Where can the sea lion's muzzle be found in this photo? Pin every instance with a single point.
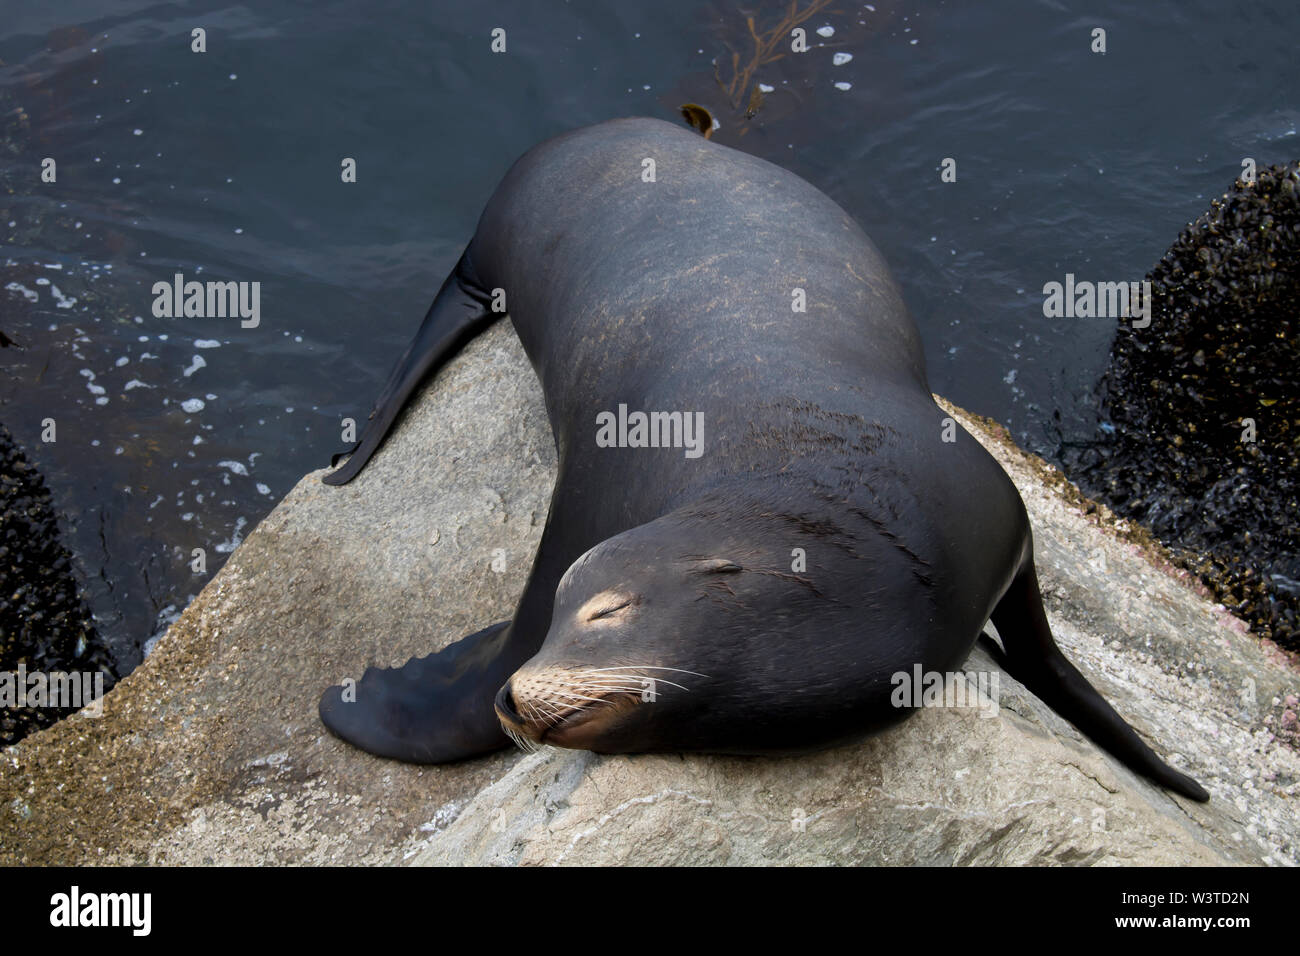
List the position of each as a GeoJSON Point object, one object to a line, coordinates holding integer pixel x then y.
{"type": "Point", "coordinates": [566, 707]}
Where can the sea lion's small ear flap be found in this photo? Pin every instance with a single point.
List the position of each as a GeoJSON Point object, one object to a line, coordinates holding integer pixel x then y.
{"type": "Point", "coordinates": [716, 566]}
{"type": "Point", "coordinates": [699, 118]}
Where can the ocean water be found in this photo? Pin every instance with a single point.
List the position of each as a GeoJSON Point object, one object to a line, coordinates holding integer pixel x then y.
{"type": "Point", "coordinates": [177, 434]}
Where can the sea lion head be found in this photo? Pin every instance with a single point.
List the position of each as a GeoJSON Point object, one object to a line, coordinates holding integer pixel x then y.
{"type": "Point", "coordinates": [725, 627]}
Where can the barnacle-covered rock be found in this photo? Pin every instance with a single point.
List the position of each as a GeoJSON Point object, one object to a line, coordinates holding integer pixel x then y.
{"type": "Point", "coordinates": [1203, 405]}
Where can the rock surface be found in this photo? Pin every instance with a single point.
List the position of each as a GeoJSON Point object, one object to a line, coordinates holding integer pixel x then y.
{"type": "Point", "coordinates": [211, 750]}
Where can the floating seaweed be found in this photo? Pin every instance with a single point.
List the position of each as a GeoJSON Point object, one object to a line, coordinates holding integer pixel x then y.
{"type": "Point", "coordinates": [767, 48]}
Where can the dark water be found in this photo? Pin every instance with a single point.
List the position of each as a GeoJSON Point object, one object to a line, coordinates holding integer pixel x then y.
{"type": "Point", "coordinates": [225, 165]}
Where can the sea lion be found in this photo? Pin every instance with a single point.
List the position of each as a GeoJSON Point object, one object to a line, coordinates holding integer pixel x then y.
{"type": "Point", "coordinates": [780, 526]}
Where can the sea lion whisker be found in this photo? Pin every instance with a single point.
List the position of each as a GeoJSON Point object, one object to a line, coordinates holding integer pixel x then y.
{"type": "Point", "coordinates": [594, 700]}
{"type": "Point", "coordinates": [615, 689]}
{"type": "Point", "coordinates": [639, 688]}
{"type": "Point", "coordinates": [534, 712]}
{"type": "Point", "coordinates": [522, 742]}
{"type": "Point", "coordinates": [613, 683]}
{"type": "Point", "coordinates": [603, 690]}
{"type": "Point", "coordinates": [549, 701]}
{"type": "Point", "coordinates": [643, 667]}
{"type": "Point", "coordinates": [545, 712]}
{"type": "Point", "coordinates": [558, 711]}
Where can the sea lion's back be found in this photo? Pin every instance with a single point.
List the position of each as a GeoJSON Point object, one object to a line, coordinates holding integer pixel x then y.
{"type": "Point", "coordinates": [645, 232]}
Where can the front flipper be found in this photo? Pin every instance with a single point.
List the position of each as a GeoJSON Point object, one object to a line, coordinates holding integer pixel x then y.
{"type": "Point", "coordinates": [432, 709]}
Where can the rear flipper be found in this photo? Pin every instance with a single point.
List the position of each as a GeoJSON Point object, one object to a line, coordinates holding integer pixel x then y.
{"type": "Point", "coordinates": [432, 709]}
{"type": "Point", "coordinates": [1036, 661]}
{"type": "Point", "coordinates": [459, 312]}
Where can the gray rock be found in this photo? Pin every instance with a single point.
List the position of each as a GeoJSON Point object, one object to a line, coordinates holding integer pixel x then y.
{"type": "Point", "coordinates": [211, 751]}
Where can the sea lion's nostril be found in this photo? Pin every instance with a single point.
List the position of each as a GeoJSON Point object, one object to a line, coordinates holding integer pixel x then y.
{"type": "Point", "coordinates": [505, 704]}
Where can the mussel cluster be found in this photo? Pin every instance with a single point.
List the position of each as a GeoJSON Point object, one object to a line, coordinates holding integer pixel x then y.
{"type": "Point", "coordinates": [44, 623]}
{"type": "Point", "coordinates": [1201, 432]}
